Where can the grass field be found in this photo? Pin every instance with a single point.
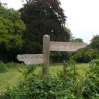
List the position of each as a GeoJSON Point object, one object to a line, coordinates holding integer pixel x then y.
{"type": "Point", "coordinates": [13, 76]}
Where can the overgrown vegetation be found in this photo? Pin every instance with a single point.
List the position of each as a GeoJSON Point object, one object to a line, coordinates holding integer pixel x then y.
{"type": "Point", "coordinates": [90, 89]}
{"type": "Point", "coordinates": [51, 87]}
{"type": "Point", "coordinates": [11, 31]}
{"type": "Point", "coordinates": [66, 84]}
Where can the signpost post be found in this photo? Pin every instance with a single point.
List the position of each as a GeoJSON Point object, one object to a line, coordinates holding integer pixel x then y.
{"type": "Point", "coordinates": [46, 52]}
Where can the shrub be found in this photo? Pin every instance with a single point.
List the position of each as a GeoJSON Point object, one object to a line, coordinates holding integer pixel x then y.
{"type": "Point", "coordinates": [62, 86]}
{"type": "Point", "coordinates": [50, 87]}
{"type": "Point", "coordinates": [90, 89]}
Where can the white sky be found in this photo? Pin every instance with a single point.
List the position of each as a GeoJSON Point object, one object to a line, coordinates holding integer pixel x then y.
{"type": "Point", "coordinates": [83, 16]}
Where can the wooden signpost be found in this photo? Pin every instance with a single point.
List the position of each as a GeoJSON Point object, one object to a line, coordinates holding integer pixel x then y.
{"type": "Point", "coordinates": [31, 58]}
{"type": "Point", "coordinates": [66, 46]}
{"type": "Point", "coordinates": [47, 47]}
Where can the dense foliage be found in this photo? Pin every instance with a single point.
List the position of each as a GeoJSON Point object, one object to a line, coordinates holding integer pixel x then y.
{"type": "Point", "coordinates": [95, 42]}
{"type": "Point", "coordinates": [90, 89]}
{"type": "Point", "coordinates": [66, 84]}
{"type": "Point", "coordinates": [50, 87]}
{"type": "Point", "coordinates": [42, 17]}
{"type": "Point", "coordinates": [88, 53]}
{"type": "Point", "coordinates": [73, 39]}
{"type": "Point", "coordinates": [11, 31]}
{"type": "Point", "coordinates": [11, 28]}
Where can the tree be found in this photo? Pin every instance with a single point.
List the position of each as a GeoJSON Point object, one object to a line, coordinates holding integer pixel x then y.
{"type": "Point", "coordinates": [91, 54]}
{"type": "Point", "coordinates": [79, 55]}
{"type": "Point", "coordinates": [11, 31]}
{"type": "Point", "coordinates": [74, 39]}
{"type": "Point", "coordinates": [95, 42]}
{"type": "Point", "coordinates": [11, 28]}
{"type": "Point", "coordinates": [42, 17]}
{"type": "Point", "coordinates": [88, 53]}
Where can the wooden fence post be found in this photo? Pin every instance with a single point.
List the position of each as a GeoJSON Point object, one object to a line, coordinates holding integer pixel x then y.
{"type": "Point", "coordinates": [46, 52]}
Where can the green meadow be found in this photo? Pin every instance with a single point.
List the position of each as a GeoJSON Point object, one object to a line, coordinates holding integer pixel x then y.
{"type": "Point", "coordinates": [13, 76]}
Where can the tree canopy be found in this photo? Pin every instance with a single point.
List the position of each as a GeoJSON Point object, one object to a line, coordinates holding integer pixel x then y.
{"type": "Point", "coordinates": [73, 39]}
{"type": "Point", "coordinates": [88, 53]}
{"type": "Point", "coordinates": [11, 28]}
{"type": "Point", "coordinates": [11, 31]}
{"type": "Point", "coordinates": [95, 42]}
{"type": "Point", "coordinates": [42, 17]}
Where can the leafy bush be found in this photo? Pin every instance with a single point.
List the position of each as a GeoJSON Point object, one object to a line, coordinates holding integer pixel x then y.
{"type": "Point", "coordinates": [64, 85]}
{"type": "Point", "coordinates": [61, 86]}
{"type": "Point", "coordinates": [90, 89]}
{"type": "Point", "coordinates": [48, 88]}
{"type": "Point", "coordinates": [86, 54]}
{"type": "Point", "coordinates": [96, 62]}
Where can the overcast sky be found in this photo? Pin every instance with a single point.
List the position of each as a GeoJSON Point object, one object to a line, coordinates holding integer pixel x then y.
{"type": "Point", "coordinates": [83, 17]}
